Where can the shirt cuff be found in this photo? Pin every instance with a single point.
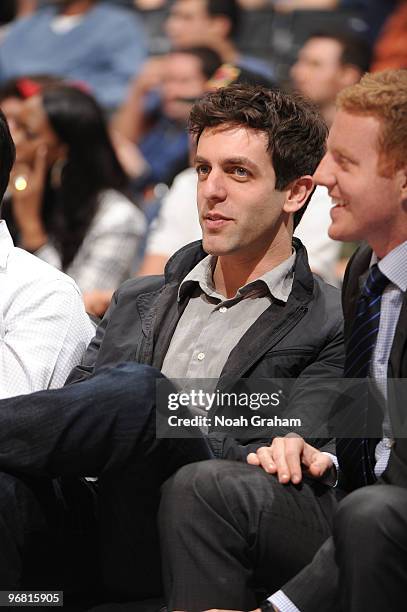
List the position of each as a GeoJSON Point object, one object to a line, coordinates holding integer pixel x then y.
{"type": "Point", "coordinates": [331, 477]}
{"type": "Point", "coordinates": [282, 603]}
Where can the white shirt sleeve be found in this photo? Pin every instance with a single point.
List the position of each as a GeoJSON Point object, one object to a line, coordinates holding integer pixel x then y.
{"type": "Point", "coordinates": [44, 331]}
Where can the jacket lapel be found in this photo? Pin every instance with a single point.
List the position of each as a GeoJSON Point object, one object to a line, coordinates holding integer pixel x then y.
{"type": "Point", "coordinates": [276, 322]}
{"type": "Point", "coordinates": [355, 277]}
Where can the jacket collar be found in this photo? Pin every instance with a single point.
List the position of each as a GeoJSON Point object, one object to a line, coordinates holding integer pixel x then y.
{"type": "Point", "coordinates": [184, 260]}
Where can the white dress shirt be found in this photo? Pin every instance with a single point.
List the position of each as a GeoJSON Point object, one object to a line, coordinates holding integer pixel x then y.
{"type": "Point", "coordinates": [44, 329]}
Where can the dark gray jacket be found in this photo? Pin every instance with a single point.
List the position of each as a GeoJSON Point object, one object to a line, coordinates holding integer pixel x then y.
{"type": "Point", "coordinates": [299, 339]}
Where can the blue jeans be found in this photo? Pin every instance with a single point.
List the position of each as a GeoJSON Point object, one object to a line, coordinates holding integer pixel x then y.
{"type": "Point", "coordinates": [105, 427]}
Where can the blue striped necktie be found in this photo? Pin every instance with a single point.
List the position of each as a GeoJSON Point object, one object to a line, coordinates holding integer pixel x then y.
{"type": "Point", "coordinates": [353, 453]}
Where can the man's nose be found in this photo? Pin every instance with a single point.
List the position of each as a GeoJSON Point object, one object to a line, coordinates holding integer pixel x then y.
{"type": "Point", "coordinates": [213, 188]}
{"type": "Point", "coordinates": [324, 174]}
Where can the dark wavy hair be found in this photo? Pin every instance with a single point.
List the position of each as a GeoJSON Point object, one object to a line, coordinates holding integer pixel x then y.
{"type": "Point", "coordinates": [7, 154]}
{"type": "Point", "coordinates": [91, 167]}
{"type": "Point", "coordinates": [295, 130]}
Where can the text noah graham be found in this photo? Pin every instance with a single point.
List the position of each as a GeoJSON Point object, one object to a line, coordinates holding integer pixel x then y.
{"type": "Point", "coordinates": [240, 421]}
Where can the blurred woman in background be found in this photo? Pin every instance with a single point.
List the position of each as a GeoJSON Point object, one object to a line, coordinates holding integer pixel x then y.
{"type": "Point", "coordinates": [68, 200]}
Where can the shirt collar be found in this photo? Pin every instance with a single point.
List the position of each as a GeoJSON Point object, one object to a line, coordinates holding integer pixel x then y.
{"type": "Point", "coordinates": [278, 281]}
{"type": "Point", "coordinates": [6, 244]}
{"type": "Point", "coordinates": [393, 265]}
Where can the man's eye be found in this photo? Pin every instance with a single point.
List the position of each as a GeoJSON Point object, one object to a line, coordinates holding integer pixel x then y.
{"type": "Point", "coordinates": [239, 171]}
{"type": "Point", "coordinates": [202, 170]}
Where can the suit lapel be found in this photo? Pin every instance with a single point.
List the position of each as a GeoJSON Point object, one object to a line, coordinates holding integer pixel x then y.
{"type": "Point", "coordinates": [355, 278]}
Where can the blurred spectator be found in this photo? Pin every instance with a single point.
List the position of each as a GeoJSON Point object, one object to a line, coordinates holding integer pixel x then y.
{"type": "Point", "coordinates": [212, 23]}
{"type": "Point", "coordinates": [158, 123]}
{"type": "Point", "coordinates": [390, 51]}
{"type": "Point", "coordinates": [13, 9]}
{"type": "Point", "coordinates": [326, 64]}
{"type": "Point", "coordinates": [68, 204]}
{"type": "Point", "coordinates": [44, 329]}
{"type": "Point", "coordinates": [83, 40]}
{"type": "Point", "coordinates": [14, 92]}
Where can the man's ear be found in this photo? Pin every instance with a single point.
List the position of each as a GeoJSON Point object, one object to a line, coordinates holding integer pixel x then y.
{"type": "Point", "coordinates": [297, 193]}
{"type": "Point", "coordinates": [403, 184]}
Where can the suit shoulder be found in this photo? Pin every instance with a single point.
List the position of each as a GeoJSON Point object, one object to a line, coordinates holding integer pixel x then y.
{"type": "Point", "coordinates": [327, 300]}
{"type": "Point", "coordinates": [138, 286]}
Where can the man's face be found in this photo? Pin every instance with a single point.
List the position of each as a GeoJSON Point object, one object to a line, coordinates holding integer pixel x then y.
{"type": "Point", "coordinates": [183, 81]}
{"type": "Point", "coordinates": [317, 71]}
{"type": "Point", "coordinates": [188, 24]}
{"type": "Point", "coordinates": [240, 209]}
{"type": "Point", "coordinates": [367, 206]}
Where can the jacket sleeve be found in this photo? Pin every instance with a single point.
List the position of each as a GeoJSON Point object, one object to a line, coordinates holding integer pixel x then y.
{"type": "Point", "coordinates": [120, 333]}
{"type": "Point", "coordinates": [87, 366]}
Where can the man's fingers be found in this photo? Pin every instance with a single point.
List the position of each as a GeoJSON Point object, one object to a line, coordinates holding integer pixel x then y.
{"type": "Point", "coordinates": [316, 462]}
{"type": "Point", "coordinates": [283, 457]}
{"type": "Point", "coordinates": [278, 453]}
{"type": "Point", "coordinates": [253, 459]}
{"type": "Point", "coordinates": [265, 457]}
{"type": "Point", "coordinates": [288, 459]}
{"type": "Point", "coordinates": [293, 460]}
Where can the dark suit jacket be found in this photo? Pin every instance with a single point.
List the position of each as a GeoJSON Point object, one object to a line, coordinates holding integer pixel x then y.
{"type": "Point", "coordinates": [315, 587]}
{"type": "Point", "coordinates": [301, 340]}
{"type": "Point", "coordinates": [356, 273]}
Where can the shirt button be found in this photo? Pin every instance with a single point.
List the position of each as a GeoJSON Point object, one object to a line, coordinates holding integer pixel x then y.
{"type": "Point", "coordinates": [201, 356]}
{"type": "Point", "coordinates": [222, 309]}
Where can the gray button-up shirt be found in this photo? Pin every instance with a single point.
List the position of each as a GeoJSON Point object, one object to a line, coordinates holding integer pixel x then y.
{"type": "Point", "coordinates": [211, 325]}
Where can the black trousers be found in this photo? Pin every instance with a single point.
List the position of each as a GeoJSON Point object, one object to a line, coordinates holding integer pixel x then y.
{"type": "Point", "coordinates": [103, 427]}
{"type": "Point", "coordinates": [363, 567]}
{"type": "Point", "coordinates": [231, 533]}
{"type": "Point", "coordinates": [371, 549]}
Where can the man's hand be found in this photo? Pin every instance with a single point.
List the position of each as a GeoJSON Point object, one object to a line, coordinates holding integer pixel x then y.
{"type": "Point", "coordinates": [287, 457]}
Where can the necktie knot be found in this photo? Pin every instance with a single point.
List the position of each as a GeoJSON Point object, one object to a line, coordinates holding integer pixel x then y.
{"type": "Point", "coordinates": [376, 282]}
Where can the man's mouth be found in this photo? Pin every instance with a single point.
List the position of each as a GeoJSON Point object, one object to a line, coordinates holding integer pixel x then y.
{"type": "Point", "coordinates": [338, 203]}
{"type": "Point", "coordinates": [214, 220]}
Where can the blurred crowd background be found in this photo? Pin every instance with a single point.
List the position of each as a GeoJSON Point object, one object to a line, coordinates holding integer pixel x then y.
{"type": "Point", "coordinates": [98, 92]}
